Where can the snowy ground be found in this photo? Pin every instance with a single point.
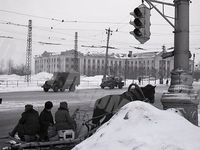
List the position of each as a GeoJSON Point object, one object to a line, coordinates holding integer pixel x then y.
{"type": "Point", "coordinates": [138, 126]}
{"type": "Point", "coordinates": [13, 83]}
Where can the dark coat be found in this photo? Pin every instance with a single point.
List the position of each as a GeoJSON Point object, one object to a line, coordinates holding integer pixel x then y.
{"type": "Point", "coordinates": [29, 123]}
{"type": "Point", "coordinates": [63, 119]}
{"type": "Point", "coordinates": [46, 119]}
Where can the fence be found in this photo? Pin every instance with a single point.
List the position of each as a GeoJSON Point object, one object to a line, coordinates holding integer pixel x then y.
{"type": "Point", "coordinates": [35, 83]}
{"type": "Point", "coordinates": [20, 83]}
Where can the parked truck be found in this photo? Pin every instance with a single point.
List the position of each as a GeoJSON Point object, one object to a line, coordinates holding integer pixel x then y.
{"type": "Point", "coordinates": [61, 81]}
{"type": "Point", "coordinates": [112, 82]}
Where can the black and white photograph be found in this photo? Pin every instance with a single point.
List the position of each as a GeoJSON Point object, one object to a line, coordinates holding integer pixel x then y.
{"type": "Point", "coordinates": [99, 75]}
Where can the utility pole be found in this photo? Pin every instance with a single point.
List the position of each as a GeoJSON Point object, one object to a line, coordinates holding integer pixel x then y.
{"type": "Point", "coordinates": [180, 93]}
{"type": "Point", "coordinates": [193, 63]}
{"type": "Point", "coordinates": [76, 66]}
{"type": "Point", "coordinates": [108, 32]}
{"type": "Point", "coordinates": [29, 52]}
{"type": "Point", "coordinates": [162, 66]}
{"type": "Point", "coordinates": [125, 70]}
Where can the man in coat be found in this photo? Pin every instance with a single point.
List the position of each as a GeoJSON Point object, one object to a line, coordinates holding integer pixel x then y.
{"type": "Point", "coordinates": [46, 120]}
{"type": "Point", "coordinates": [28, 125]}
{"type": "Point", "coordinates": [63, 119]}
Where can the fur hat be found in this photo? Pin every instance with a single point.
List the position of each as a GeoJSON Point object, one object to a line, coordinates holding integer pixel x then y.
{"type": "Point", "coordinates": [48, 105]}
{"type": "Point", "coordinates": [28, 107]}
{"type": "Point", "coordinates": [63, 105]}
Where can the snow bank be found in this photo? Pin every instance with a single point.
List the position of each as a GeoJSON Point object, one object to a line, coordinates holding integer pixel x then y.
{"type": "Point", "coordinates": [42, 76]}
{"type": "Point", "coordinates": [141, 126]}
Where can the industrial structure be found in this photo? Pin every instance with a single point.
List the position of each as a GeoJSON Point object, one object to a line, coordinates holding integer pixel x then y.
{"type": "Point", "coordinates": [29, 52]}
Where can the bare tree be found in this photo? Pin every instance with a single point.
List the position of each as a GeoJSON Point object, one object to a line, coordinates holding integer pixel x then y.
{"type": "Point", "coordinates": [10, 65]}
{"type": "Point", "coordinates": [2, 66]}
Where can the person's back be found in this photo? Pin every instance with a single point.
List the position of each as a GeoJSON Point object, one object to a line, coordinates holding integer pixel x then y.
{"type": "Point", "coordinates": [30, 120]}
{"type": "Point", "coordinates": [28, 124]}
{"type": "Point", "coordinates": [63, 119]}
{"type": "Point", "coordinates": [46, 120]}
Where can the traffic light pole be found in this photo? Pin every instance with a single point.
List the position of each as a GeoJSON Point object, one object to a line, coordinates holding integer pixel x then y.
{"type": "Point", "coordinates": [180, 94]}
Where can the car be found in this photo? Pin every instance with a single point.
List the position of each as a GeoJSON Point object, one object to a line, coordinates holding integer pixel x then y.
{"type": "Point", "coordinates": [112, 82]}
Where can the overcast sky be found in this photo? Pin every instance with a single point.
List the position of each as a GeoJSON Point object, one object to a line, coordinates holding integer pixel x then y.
{"type": "Point", "coordinates": [89, 18]}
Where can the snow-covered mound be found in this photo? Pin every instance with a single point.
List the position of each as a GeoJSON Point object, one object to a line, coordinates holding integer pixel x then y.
{"type": "Point", "coordinates": [11, 77]}
{"type": "Point", "coordinates": [141, 126]}
{"type": "Point", "coordinates": [42, 76]}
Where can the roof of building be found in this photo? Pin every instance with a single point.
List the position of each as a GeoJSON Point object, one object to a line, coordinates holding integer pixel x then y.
{"type": "Point", "coordinates": [102, 55]}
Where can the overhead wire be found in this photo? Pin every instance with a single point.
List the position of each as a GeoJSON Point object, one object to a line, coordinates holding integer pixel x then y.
{"type": "Point", "coordinates": [48, 29]}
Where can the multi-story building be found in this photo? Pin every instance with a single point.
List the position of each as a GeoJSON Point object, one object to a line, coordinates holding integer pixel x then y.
{"type": "Point", "coordinates": [49, 62]}
{"type": "Point", "coordinates": [140, 64]}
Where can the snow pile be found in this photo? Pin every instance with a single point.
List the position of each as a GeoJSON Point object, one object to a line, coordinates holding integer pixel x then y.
{"type": "Point", "coordinates": [11, 77]}
{"type": "Point", "coordinates": [42, 76]}
{"type": "Point", "coordinates": [140, 126]}
{"type": "Point", "coordinates": [90, 82]}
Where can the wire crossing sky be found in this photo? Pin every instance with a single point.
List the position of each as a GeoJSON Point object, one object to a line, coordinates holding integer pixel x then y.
{"type": "Point", "coordinates": [55, 23]}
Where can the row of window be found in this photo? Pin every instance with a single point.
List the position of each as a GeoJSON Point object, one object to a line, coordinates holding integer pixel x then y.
{"type": "Point", "coordinates": [48, 60]}
{"type": "Point", "coordinates": [119, 62]}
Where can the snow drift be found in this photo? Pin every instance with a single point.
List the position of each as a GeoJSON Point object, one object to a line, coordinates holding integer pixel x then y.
{"type": "Point", "coordinates": [141, 126]}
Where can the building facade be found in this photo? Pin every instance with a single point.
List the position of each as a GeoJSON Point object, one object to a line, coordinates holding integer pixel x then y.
{"type": "Point", "coordinates": [149, 64]}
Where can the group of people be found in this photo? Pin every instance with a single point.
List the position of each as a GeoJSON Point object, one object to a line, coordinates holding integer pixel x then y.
{"type": "Point", "coordinates": [33, 126]}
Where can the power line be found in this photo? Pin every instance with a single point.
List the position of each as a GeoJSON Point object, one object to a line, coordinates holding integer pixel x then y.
{"type": "Point", "coordinates": [74, 21]}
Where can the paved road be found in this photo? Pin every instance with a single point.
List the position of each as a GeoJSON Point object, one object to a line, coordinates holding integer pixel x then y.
{"type": "Point", "coordinates": [17, 100]}
{"type": "Point", "coordinates": [13, 103]}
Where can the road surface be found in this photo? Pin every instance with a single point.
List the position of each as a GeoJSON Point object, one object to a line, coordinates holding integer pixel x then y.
{"type": "Point", "coordinates": [13, 103]}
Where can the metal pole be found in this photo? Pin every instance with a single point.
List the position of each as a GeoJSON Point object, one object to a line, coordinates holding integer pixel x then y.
{"type": "Point", "coordinates": [76, 66]}
{"type": "Point", "coordinates": [193, 63]}
{"type": "Point", "coordinates": [181, 44]}
{"type": "Point", "coordinates": [180, 93]}
{"type": "Point", "coordinates": [29, 52]}
{"type": "Point", "coordinates": [108, 32]}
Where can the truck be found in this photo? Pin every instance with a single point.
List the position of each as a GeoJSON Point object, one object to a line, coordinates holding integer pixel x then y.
{"type": "Point", "coordinates": [112, 82]}
{"type": "Point", "coordinates": [61, 81]}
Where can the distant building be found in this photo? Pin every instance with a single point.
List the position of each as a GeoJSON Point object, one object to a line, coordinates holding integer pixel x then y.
{"type": "Point", "coordinates": [148, 64]}
{"type": "Point", "coordinates": [49, 62]}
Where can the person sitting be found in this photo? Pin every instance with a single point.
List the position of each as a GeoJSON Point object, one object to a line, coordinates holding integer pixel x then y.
{"type": "Point", "coordinates": [63, 120]}
{"type": "Point", "coordinates": [46, 120]}
{"type": "Point", "coordinates": [28, 125]}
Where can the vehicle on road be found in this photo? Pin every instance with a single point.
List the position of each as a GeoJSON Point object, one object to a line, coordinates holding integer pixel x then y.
{"type": "Point", "coordinates": [61, 81]}
{"type": "Point", "coordinates": [112, 82]}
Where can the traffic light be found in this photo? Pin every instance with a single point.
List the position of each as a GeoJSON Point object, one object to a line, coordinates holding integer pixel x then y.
{"type": "Point", "coordinates": [141, 23]}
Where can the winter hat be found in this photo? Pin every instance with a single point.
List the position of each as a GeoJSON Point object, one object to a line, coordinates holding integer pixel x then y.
{"type": "Point", "coordinates": [64, 105]}
{"type": "Point", "coordinates": [28, 107]}
{"type": "Point", "coordinates": [48, 105]}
